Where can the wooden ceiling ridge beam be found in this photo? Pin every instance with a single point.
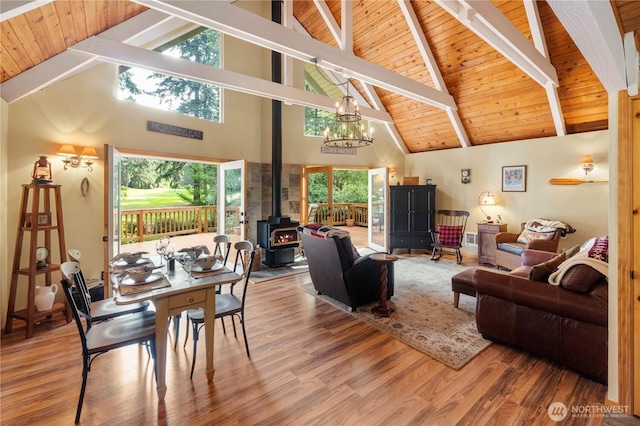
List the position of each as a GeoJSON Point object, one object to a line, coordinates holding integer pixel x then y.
{"type": "Point", "coordinates": [540, 43]}
{"type": "Point", "coordinates": [13, 8]}
{"type": "Point", "coordinates": [431, 64]}
{"type": "Point", "coordinates": [67, 63]}
{"type": "Point", "coordinates": [247, 26]}
{"type": "Point", "coordinates": [123, 54]}
{"type": "Point", "coordinates": [593, 27]}
{"type": "Point", "coordinates": [487, 22]}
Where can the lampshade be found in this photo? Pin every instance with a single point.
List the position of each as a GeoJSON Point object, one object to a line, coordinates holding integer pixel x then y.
{"type": "Point", "coordinates": [67, 150]}
{"type": "Point", "coordinates": [89, 152]}
{"type": "Point", "coordinates": [586, 159]}
{"type": "Point", "coordinates": [486, 199]}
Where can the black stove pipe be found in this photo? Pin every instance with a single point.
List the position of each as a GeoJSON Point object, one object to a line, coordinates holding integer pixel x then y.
{"type": "Point", "coordinates": [276, 124]}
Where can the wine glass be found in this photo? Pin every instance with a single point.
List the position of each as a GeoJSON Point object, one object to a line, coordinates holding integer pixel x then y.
{"type": "Point", "coordinates": [189, 260]}
{"type": "Point", "coordinates": [161, 247]}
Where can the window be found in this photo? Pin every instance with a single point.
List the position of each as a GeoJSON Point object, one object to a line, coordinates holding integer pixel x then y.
{"type": "Point", "coordinates": [176, 94]}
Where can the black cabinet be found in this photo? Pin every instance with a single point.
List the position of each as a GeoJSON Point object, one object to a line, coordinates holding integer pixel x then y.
{"type": "Point", "coordinates": [412, 214]}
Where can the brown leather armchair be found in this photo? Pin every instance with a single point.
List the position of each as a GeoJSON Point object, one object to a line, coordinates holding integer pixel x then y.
{"type": "Point", "coordinates": [509, 250]}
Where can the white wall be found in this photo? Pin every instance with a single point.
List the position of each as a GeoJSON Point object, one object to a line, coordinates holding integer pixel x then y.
{"type": "Point", "coordinates": [585, 207]}
{"type": "Point", "coordinates": [5, 238]}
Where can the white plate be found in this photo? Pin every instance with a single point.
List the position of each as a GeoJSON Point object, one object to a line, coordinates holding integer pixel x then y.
{"type": "Point", "coordinates": [155, 276]}
{"type": "Point", "coordinates": [198, 268]}
{"type": "Point", "coordinates": [139, 262]}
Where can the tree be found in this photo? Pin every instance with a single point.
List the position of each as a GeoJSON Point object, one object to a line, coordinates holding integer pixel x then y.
{"type": "Point", "coordinates": [190, 97]}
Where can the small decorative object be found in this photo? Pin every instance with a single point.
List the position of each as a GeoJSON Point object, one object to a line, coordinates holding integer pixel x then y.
{"type": "Point", "coordinates": [587, 163]}
{"type": "Point", "coordinates": [514, 179]}
{"type": "Point", "coordinates": [410, 180]}
{"type": "Point", "coordinates": [42, 253]}
{"type": "Point", "coordinates": [45, 297]}
{"type": "Point", "coordinates": [44, 219]}
{"type": "Point", "coordinates": [465, 176]}
{"type": "Point", "coordinates": [84, 187]}
{"type": "Point", "coordinates": [429, 181]}
{"type": "Point", "coordinates": [42, 171]}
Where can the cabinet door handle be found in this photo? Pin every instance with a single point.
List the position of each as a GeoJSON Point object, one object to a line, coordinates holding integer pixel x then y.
{"type": "Point", "coordinates": [190, 299]}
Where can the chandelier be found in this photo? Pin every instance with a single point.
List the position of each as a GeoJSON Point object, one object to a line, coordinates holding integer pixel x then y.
{"type": "Point", "coordinates": [348, 131]}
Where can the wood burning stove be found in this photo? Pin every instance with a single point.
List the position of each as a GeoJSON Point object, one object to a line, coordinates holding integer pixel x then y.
{"type": "Point", "coordinates": [279, 237]}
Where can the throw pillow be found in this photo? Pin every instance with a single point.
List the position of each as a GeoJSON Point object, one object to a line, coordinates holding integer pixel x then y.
{"type": "Point", "coordinates": [449, 235]}
{"type": "Point", "coordinates": [581, 278]}
{"type": "Point", "coordinates": [527, 236]}
{"type": "Point", "coordinates": [572, 251]}
{"type": "Point", "coordinates": [541, 271]}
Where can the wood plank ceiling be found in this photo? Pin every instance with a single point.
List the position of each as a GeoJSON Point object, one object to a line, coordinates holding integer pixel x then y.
{"type": "Point", "coordinates": [496, 101]}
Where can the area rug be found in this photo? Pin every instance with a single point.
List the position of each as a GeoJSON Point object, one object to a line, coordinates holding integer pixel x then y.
{"type": "Point", "coordinates": [424, 317]}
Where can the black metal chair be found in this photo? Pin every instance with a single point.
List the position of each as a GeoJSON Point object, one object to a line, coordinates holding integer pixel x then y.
{"type": "Point", "coordinates": [99, 338]}
{"type": "Point", "coordinates": [449, 233]}
{"type": "Point", "coordinates": [227, 304]}
{"type": "Point", "coordinates": [101, 310]}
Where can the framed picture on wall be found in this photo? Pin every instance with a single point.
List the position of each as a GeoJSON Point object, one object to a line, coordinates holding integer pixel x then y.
{"type": "Point", "coordinates": [514, 178]}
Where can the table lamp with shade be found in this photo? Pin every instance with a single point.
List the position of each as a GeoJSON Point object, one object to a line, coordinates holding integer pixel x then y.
{"type": "Point", "coordinates": [486, 199]}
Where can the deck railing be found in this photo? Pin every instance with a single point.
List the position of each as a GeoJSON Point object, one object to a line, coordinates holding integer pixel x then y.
{"type": "Point", "coordinates": [150, 224]}
{"type": "Point", "coordinates": [359, 212]}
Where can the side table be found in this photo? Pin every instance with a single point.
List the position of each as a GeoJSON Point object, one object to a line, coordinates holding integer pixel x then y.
{"type": "Point", "coordinates": [487, 241]}
{"type": "Point", "coordinates": [383, 309]}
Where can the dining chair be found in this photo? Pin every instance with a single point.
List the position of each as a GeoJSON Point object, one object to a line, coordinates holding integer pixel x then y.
{"type": "Point", "coordinates": [100, 338]}
{"type": "Point", "coordinates": [223, 246]}
{"type": "Point", "coordinates": [101, 310]}
{"type": "Point", "coordinates": [227, 304]}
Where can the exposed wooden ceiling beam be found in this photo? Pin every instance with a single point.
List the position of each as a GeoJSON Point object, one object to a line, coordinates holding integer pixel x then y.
{"type": "Point", "coordinates": [145, 29]}
{"type": "Point", "coordinates": [431, 64]}
{"type": "Point", "coordinates": [391, 127]}
{"type": "Point", "coordinates": [593, 28]}
{"type": "Point", "coordinates": [632, 62]}
{"type": "Point", "coordinates": [486, 21]}
{"type": "Point", "coordinates": [13, 8]}
{"type": "Point", "coordinates": [124, 54]}
{"type": "Point", "coordinates": [255, 29]}
{"type": "Point", "coordinates": [533, 15]}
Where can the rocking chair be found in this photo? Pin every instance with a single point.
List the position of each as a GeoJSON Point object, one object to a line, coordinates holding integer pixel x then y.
{"type": "Point", "coordinates": [451, 225]}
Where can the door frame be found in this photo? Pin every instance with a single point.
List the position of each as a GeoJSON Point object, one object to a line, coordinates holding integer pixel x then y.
{"type": "Point", "coordinates": [304, 191]}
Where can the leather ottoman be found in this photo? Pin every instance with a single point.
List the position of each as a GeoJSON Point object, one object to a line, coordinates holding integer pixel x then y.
{"type": "Point", "coordinates": [462, 282]}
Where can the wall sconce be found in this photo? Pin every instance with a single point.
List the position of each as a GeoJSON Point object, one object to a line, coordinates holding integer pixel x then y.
{"type": "Point", "coordinates": [486, 199]}
{"type": "Point", "coordinates": [587, 163]}
{"type": "Point", "coordinates": [72, 159]}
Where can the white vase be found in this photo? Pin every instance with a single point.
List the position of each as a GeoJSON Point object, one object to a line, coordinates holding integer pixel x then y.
{"type": "Point", "coordinates": [45, 297]}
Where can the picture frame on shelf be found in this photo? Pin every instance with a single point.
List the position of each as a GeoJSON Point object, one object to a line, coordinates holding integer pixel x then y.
{"type": "Point", "coordinates": [514, 178]}
{"type": "Point", "coordinates": [44, 219]}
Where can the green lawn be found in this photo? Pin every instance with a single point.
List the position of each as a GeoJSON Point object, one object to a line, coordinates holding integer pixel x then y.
{"type": "Point", "coordinates": [151, 198]}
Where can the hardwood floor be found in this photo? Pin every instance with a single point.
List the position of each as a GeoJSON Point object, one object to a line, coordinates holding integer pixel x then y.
{"type": "Point", "coordinates": [311, 364]}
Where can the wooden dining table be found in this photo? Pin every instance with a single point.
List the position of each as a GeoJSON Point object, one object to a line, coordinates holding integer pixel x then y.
{"type": "Point", "coordinates": [171, 295]}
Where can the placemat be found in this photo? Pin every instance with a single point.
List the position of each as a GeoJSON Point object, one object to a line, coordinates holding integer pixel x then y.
{"type": "Point", "coordinates": [200, 274]}
{"type": "Point", "coordinates": [127, 290]}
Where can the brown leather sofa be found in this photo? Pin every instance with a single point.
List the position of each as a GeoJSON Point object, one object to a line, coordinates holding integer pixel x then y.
{"type": "Point", "coordinates": [566, 324]}
{"type": "Point", "coordinates": [509, 250]}
{"type": "Point", "coordinates": [336, 272]}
